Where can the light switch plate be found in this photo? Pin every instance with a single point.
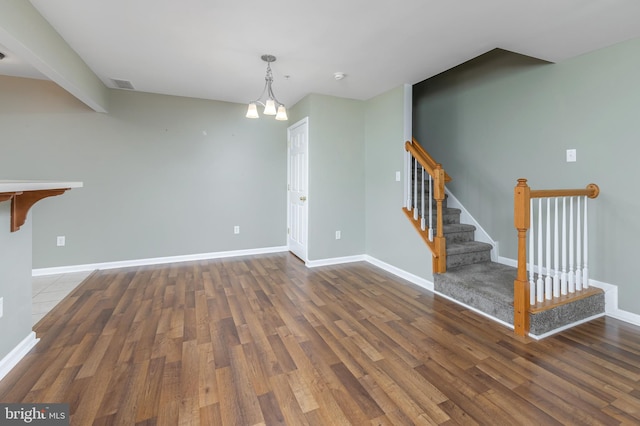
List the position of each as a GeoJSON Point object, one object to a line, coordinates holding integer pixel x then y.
{"type": "Point", "coordinates": [571, 156]}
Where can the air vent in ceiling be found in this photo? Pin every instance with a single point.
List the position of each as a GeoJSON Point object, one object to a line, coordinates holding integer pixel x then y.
{"type": "Point", "coordinates": [123, 84]}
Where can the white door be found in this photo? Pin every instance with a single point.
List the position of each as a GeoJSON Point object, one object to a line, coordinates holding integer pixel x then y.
{"type": "Point", "coordinates": [297, 188]}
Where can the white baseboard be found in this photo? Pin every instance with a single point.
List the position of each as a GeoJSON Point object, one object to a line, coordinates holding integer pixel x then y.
{"type": "Point", "coordinates": [507, 261]}
{"type": "Point", "coordinates": [334, 261]}
{"type": "Point", "coordinates": [421, 282]}
{"type": "Point", "coordinates": [155, 261]}
{"type": "Point", "coordinates": [17, 353]}
{"type": "Point", "coordinates": [611, 303]}
{"type": "Point", "coordinates": [471, 308]}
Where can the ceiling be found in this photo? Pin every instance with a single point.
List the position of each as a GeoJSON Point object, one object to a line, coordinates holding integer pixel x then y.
{"type": "Point", "coordinates": [211, 49]}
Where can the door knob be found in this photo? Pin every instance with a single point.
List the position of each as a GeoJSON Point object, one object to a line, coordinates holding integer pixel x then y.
{"type": "Point", "coordinates": [303, 198]}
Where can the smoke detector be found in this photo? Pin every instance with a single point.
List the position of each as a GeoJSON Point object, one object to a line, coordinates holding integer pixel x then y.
{"type": "Point", "coordinates": [339, 75]}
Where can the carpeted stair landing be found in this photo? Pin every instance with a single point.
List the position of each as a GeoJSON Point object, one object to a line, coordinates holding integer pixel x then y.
{"type": "Point", "coordinates": [488, 287]}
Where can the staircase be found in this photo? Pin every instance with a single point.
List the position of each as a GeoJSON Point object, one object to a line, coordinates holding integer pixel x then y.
{"type": "Point", "coordinates": [472, 279]}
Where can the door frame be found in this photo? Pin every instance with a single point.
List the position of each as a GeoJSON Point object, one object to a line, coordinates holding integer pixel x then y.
{"type": "Point", "coordinates": [305, 231]}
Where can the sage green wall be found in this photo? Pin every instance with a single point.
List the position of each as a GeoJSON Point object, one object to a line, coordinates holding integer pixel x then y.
{"type": "Point", "coordinates": [300, 110]}
{"type": "Point", "coordinates": [15, 282]}
{"type": "Point", "coordinates": [162, 175]}
{"type": "Point", "coordinates": [503, 117]}
{"type": "Point", "coordinates": [390, 236]}
{"type": "Point", "coordinates": [336, 177]}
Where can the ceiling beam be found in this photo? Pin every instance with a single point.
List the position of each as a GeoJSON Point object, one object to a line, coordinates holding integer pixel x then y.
{"type": "Point", "coordinates": [28, 35]}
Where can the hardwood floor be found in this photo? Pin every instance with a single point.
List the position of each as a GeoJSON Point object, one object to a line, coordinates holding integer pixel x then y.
{"type": "Point", "coordinates": [264, 340]}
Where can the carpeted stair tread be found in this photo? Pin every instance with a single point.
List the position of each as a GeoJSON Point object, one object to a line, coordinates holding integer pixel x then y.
{"type": "Point", "coordinates": [486, 286]}
{"type": "Point", "coordinates": [489, 278]}
{"type": "Point", "coordinates": [467, 247]}
{"type": "Point", "coordinates": [457, 227]}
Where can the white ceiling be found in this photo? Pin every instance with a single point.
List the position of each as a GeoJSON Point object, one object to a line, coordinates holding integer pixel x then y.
{"type": "Point", "coordinates": [211, 48]}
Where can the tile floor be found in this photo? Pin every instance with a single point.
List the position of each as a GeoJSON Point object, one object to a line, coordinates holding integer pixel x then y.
{"type": "Point", "coordinates": [48, 290]}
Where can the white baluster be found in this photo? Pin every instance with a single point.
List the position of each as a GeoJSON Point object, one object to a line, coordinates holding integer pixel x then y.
{"type": "Point", "coordinates": [563, 276]}
{"type": "Point", "coordinates": [585, 270]}
{"type": "Point", "coordinates": [407, 176]}
{"type": "Point", "coordinates": [422, 221]}
{"type": "Point", "coordinates": [415, 189]}
{"type": "Point", "coordinates": [578, 248]}
{"type": "Point", "coordinates": [556, 254]}
{"type": "Point", "coordinates": [532, 283]}
{"type": "Point", "coordinates": [430, 209]}
{"type": "Point", "coordinates": [572, 276]}
{"type": "Point", "coordinates": [540, 282]}
{"type": "Point", "coordinates": [548, 281]}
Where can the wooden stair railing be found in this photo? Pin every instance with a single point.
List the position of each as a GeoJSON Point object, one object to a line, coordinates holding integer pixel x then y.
{"type": "Point", "coordinates": [523, 208]}
{"type": "Point", "coordinates": [437, 245]}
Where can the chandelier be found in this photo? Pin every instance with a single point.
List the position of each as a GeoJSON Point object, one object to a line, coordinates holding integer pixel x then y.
{"type": "Point", "coordinates": [271, 102]}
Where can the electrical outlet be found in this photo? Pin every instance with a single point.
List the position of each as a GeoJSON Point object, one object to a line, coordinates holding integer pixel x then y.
{"type": "Point", "coordinates": [236, 229]}
{"type": "Point", "coordinates": [61, 241]}
{"type": "Point", "coordinates": [338, 235]}
{"type": "Point", "coordinates": [571, 156]}
{"type": "Point", "coordinates": [1, 306]}
{"type": "Point", "coordinates": [397, 176]}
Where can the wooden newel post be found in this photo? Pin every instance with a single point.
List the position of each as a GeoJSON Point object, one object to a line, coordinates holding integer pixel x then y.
{"type": "Point", "coordinates": [440, 265]}
{"type": "Point", "coordinates": [521, 216]}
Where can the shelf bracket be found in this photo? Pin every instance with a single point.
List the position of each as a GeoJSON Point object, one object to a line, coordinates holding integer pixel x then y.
{"type": "Point", "coordinates": [22, 201]}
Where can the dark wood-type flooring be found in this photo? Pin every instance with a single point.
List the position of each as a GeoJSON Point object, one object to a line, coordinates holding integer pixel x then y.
{"type": "Point", "coordinates": [264, 340]}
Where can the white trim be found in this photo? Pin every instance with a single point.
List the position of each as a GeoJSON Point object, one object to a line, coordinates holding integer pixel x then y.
{"type": "Point", "coordinates": [17, 353]}
{"type": "Point", "coordinates": [484, 314]}
{"type": "Point", "coordinates": [407, 133]}
{"type": "Point", "coordinates": [156, 261]}
{"type": "Point", "coordinates": [408, 113]}
{"type": "Point", "coordinates": [421, 282]}
{"type": "Point", "coordinates": [334, 261]}
{"type": "Point", "coordinates": [302, 122]}
{"type": "Point", "coordinates": [465, 217]}
{"type": "Point", "coordinates": [507, 261]}
{"type": "Point", "coordinates": [611, 303]}
{"type": "Point", "coordinates": [625, 316]}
